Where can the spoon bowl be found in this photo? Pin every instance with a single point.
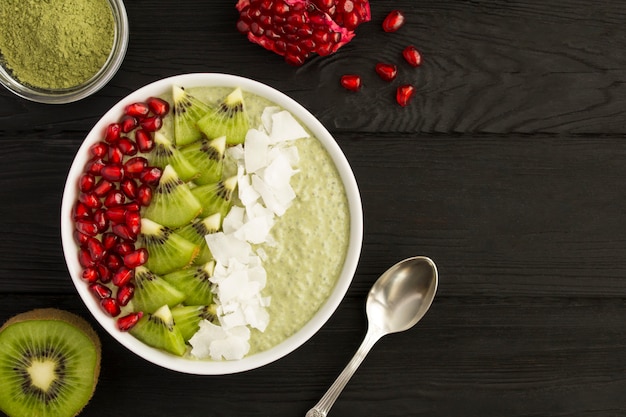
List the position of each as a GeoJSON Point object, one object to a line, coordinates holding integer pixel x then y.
{"type": "Point", "coordinates": [396, 302]}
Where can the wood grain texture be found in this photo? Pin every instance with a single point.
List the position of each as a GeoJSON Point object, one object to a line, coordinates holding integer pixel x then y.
{"type": "Point", "coordinates": [507, 170]}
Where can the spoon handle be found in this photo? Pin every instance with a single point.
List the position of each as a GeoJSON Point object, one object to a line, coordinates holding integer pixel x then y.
{"type": "Point", "coordinates": [323, 406]}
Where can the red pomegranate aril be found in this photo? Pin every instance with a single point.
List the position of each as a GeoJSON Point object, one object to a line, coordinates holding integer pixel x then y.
{"type": "Point", "coordinates": [115, 155]}
{"type": "Point", "coordinates": [139, 110]}
{"type": "Point", "coordinates": [129, 188]}
{"type": "Point", "coordinates": [110, 306]}
{"type": "Point", "coordinates": [152, 123]}
{"type": "Point", "coordinates": [94, 166]}
{"type": "Point", "coordinates": [158, 106]}
{"type": "Point", "coordinates": [125, 293]}
{"type": "Point", "coordinates": [387, 72]}
{"type": "Point", "coordinates": [114, 198]}
{"type": "Point", "coordinates": [124, 248]}
{"type": "Point", "coordinates": [393, 21]}
{"type": "Point", "coordinates": [133, 221]}
{"type": "Point", "coordinates": [128, 321]}
{"type": "Point", "coordinates": [404, 94]}
{"type": "Point", "coordinates": [109, 240]}
{"type": "Point", "coordinates": [81, 238]}
{"type": "Point", "coordinates": [87, 226]}
{"type": "Point", "coordinates": [100, 291]}
{"type": "Point", "coordinates": [81, 211]}
{"type": "Point", "coordinates": [113, 261]}
{"type": "Point", "coordinates": [104, 272]}
{"type": "Point", "coordinates": [123, 276]}
{"type": "Point", "coordinates": [99, 149]}
{"type": "Point", "coordinates": [90, 274]}
{"type": "Point", "coordinates": [128, 123]}
{"type": "Point", "coordinates": [116, 215]}
{"type": "Point", "coordinates": [96, 249]}
{"type": "Point", "coordinates": [351, 82]}
{"type": "Point", "coordinates": [112, 173]}
{"type": "Point", "coordinates": [133, 167]}
{"type": "Point", "coordinates": [90, 200]}
{"type": "Point", "coordinates": [103, 187]}
{"type": "Point", "coordinates": [144, 195]}
{"type": "Point", "coordinates": [132, 206]}
{"type": "Point", "coordinates": [136, 258]}
{"type": "Point", "coordinates": [86, 182]}
{"type": "Point", "coordinates": [113, 132]}
{"type": "Point", "coordinates": [150, 175]}
{"type": "Point", "coordinates": [144, 140]}
{"type": "Point", "coordinates": [84, 258]}
{"type": "Point", "coordinates": [124, 232]}
{"type": "Point", "coordinates": [99, 217]}
{"type": "Point", "coordinates": [127, 146]}
{"type": "Point", "coordinates": [412, 56]}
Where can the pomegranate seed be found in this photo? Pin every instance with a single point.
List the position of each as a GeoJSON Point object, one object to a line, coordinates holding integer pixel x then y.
{"type": "Point", "coordinates": [109, 240]}
{"type": "Point", "coordinates": [152, 123]}
{"type": "Point", "coordinates": [144, 195]}
{"type": "Point", "coordinates": [127, 146]}
{"type": "Point", "coordinates": [133, 221]}
{"type": "Point", "coordinates": [132, 206]}
{"type": "Point", "coordinates": [158, 106]}
{"type": "Point", "coordinates": [81, 238]}
{"type": "Point", "coordinates": [113, 173]}
{"type": "Point", "coordinates": [99, 149]}
{"type": "Point", "coordinates": [99, 217]}
{"type": "Point", "coordinates": [86, 226]}
{"type": "Point", "coordinates": [404, 94]}
{"type": "Point", "coordinates": [124, 248]}
{"type": "Point", "coordinates": [85, 259]}
{"type": "Point", "coordinates": [110, 306]}
{"type": "Point", "coordinates": [144, 140]}
{"type": "Point", "coordinates": [114, 198]}
{"type": "Point", "coordinates": [128, 123]}
{"type": "Point", "coordinates": [129, 187]}
{"type": "Point", "coordinates": [127, 322]}
{"type": "Point", "coordinates": [96, 249]}
{"type": "Point", "coordinates": [123, 276]}
{"type": "Point", "coordinates": [125, 293]}
{"type": "Point", "coordinates": [100, 291]}
{"type": "Point", "coordinates": [393, 21]}
{"type": "Point", "coordinates": [412, 56]}
{"type": "Point", "coordinates": [124, 232]}
{"type": "Point", "coordinates": [136, 258]}
{"type": "Point", "coordinates": [351, 82]}
{"type": "Point", "coordinates": [115, 155]}
{"type": "Point", "coordinates": [103, 187]}
{"type": "Point", "coordinates": [94, 166]}
{"type": "Point", "coordinates": [113, 262]}
{"type": "Point", "coordinates": [81, 211]}
{"type": "Point", "coordinates": [386, 71]}
{"type": "Point", "coordinates": [90, 274]}
{"type": "Point", "coordinates": [105, 273]}
{"type": "Point", "coordinates": [113, 132]}
{"type": "Point", "coordinates": [116, 215]}
{"type": "Point", "coordinates": [135, 166]}
{"type": "Point", "coordinates": [90, 200]}
{"type": "Point", "coordinates": [139, 110]}
{"type": "Point", "coordinates": [150, 175]}
{"type": "Point", "coordinates": [86, 182]}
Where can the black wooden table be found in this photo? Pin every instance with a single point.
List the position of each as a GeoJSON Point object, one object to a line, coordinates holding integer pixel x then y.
{"type": "Point", "coordinates": [507, 170]}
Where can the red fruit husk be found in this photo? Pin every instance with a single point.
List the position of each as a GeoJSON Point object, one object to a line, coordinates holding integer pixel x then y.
{"type": "Point", "coordinates": [393, 21]}
{"type": "Point", "coordinates": [127, 322]}
{"type": "Point", "coordinates": [298, 29]}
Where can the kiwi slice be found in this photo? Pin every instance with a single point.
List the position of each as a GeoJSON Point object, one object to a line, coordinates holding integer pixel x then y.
{"type": "Point", "coordinates": [160, 331]}
{"type": "Point", "coordinates": [166, 153]}
{"type": "Point", "coordinates": [49, 364]}
{"type": "Point", "coordinates": [197, 230]}
{"type": "Point", "coordinates": [152, 292]}
{"type": "Point", "coordinates": [187, 111]}
{"type": "Point", "coordinates": [167, 250]}
{"type": "Point", "coordinates": [194, 282]}
{"type": "Point", "coordinates": [172, 205]}
{"type": "Point", "coordinates": [187, 318]}
{"type": "Point", "coordinates": [216, 197]}
{"type": "Point", "coordinates": [228, 119]}
{"type": "Point", "coordinates": [207, 156]}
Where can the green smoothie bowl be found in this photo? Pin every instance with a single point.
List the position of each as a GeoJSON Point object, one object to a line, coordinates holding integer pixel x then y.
{"type": "Point", "coordinates": [211, 224]}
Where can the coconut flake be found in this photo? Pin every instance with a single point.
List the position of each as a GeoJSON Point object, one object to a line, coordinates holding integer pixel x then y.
{"type": "Point", "coordinates": [285, 127]}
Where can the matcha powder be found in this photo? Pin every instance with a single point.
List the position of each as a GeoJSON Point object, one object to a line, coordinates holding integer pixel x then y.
{"type": "Point", "coordinates": [55, 44]}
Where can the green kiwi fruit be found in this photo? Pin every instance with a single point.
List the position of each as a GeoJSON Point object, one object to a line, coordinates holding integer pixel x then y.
{"type": "Point", "coordinates": [159, 330]}
{"type": "Point", "coordinates": [152, 292]}
{"type": "Point", "coordinates": [216, 197]}
{"type": "Point", "coordinates": [167, 250]}
{"type": "Point", "coordinates": [207, 156]}
{"type": "Point", "coordinates": [187, 110]}
{"type": "Point", "coordinates": [197, 230]}
{"type": "Point", "coordinates": [194, 283]}
{"type": "Point", "coordinates": [187, 318]}
{"type": "Point", "coordinates": [172, 204]}
{"type": "Point", "coordinates": [229, 118]}
{"type": "Point", "coordinates": [49, 364]}
{"type": "Point", "coordinates": [166, 153]}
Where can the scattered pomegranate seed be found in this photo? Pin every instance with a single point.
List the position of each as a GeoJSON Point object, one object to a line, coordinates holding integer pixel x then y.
{"type": "Point", "coordinates": [110, 306]}
{"type": "Point", "coordinates": [351, 82]}
{"type": "Point", "coordinates": [139, 110]}
{"type": "Point", "coordinates": [158, 106]}
{"type": "Point", "coordinates": [386, 71]}
{"type": "Point", "coordinates": [404, 94]}
{"type": "Point", "coordinates": [412, 56]}
{"type": "Point", "coordinates": [152, 123]}
{"type": "Point", "coordinates": [144, 140]}
{"type": "Point", "coordinates": [393, 21]}
{"type": "Point", "coordinates": [100, 291]}
{"type": "Point", "coordinates": [113, 132]}
{"type": "Point", "coordinates": [127, 322]}
{"type": "Point", "coordinates": [136, 258]}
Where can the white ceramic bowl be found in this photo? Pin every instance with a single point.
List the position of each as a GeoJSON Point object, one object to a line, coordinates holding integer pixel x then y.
{"type": "Point", "coordinates": [202, 367]}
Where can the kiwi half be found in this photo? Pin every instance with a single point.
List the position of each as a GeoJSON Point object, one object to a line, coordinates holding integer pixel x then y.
{"type": "Point", "coordinates": [229, 119]}
{"type": "Point", "coordinates": [49, 364]}
{"type": "Point", "coordinates": [187, 111]}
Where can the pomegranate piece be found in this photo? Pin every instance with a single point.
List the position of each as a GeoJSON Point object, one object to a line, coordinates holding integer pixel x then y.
{"type": "Point", "coordinates": [136, 258]}
{"type": "Point", "coordinates": [94, 166]}
{"type": "Point", "coordinates": [103, 187]}
{"type": "Point", "coordinates": [90, 274]}
{"type": "Point", "coordinates": [114, 198]}
{"type": "Point", "coordinates": [129, 187]}
{"type": "Point", "coordinates": [125, 293]}
{"type": "Point", "coordinates": [127, 322]}
{"type": "Point", "coordinates": [351, 82]}
{"type": "Point", "coordinates": [298, 29]}
{"type": "Point", "coordinates": [144, 140]}
{"type": "Point", "coordinates": [404, 94]}
{"type": "Point", "coordinates": [150, 175]}
{"type": "Point", "coordinates": [110, 306]}
{"type": "Point", "coordinates": [123, 276]}
{"type": "Point", "coordinates": [105, 273]}
{"type": "Point", "coordinates": [152, 123]}
{"type": "Point", "coordinates": [158, 106]}
{"type": "Point", "coordinates": [84, 258]}
{"type": "Point", "coordinates": [138, 110]}
{"type": "Point", "coordinates": [127, 146]}
{"type": "Point", "coordinates": [87, 227]}
{"type": "Point", "coordinates": [116, 214]}
{"type": "Point", "coordinates": [90, 200]}
{"type": "Point", "coordinates": [412, 56]}
{"type": "Point", "coordinates": [99, 150]}
{"type": "Point", "coordinates": [135, 166]}
{"type": "Point", "coordinates": [81, 211]}
{"type": "Point", "coordinates": [393, 21]}
{"type": "Point", "coordinates": [113, 132]}
{"type": "Point", "coordinates": [387, 72]}
{"type": "Point", "coordinates": [144, 195]}
{"type": "Point", "coordinates": [124, 232]}
{"type": "Point", "coordinates": [115, 155]}
{"type": "Point", "coordinates": [100, 291]}
{"type": "Point", "coordinates": [128, 123]}
{"type": "Point", "coordinates": [109, 240]}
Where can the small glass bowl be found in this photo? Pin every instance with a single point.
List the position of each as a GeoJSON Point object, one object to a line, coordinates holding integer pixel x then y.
{"type": "Point", "coordinates": [68, 95]}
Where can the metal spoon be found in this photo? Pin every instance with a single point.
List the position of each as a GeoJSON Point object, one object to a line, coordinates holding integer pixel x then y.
{"type": "Point", "coordinates": [396, 302]}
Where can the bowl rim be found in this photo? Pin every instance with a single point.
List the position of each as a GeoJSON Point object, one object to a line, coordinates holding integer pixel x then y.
{"type": "Point", "coordinates": [208, 367]}
{"type": "Point", "coordinates": [95, 83]}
